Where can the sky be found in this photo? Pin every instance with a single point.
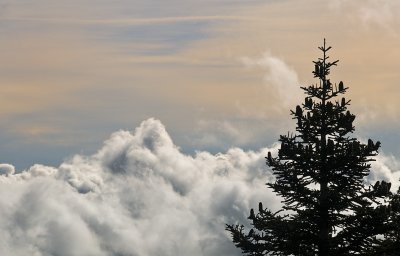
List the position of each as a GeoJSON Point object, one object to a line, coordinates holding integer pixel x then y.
{"type": "Point", "coordinates": [119, 117]}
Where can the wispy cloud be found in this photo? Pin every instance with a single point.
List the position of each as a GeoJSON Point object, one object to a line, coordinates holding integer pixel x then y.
{"type": "Point", "coordinates": [133, 21]}
{"type": "Point", "coordinates": [279, 76]}
{"type": "Point", "coordinates": [99, 66]}
{"type": "Point", "coordinates": [384, 14]}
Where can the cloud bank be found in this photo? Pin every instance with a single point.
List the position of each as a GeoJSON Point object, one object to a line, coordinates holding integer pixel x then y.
{"type": "Point", "coordinates": [138, 195]}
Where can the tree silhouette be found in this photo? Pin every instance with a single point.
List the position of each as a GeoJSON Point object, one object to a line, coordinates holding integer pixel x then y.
{"type": "Point", "coordinates": [320, 171]}
{"type": "Point", "coordinates": [390, 245]}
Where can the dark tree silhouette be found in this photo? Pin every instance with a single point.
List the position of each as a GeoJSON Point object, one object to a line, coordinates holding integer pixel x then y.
{"type": "Point", "coordinates": [320, 171]}
{"type": "Point", "coordinates": [390, 245]}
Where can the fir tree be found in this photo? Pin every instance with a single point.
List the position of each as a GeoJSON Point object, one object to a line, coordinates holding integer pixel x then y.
{"type": "Point", "coordinates": [390, 244]}
{"type": "Point", "coordinates": [320, 171]}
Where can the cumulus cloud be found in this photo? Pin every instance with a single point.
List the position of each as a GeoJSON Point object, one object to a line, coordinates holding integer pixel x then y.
{"type": "Point", "coordinates": [6, 169]}
{"type": "Point", "coordinates": [278, 75]}
{"type": "Point", "coordinates": [386, 167]}
{"type": "Point", "coordinates": [138, 195]}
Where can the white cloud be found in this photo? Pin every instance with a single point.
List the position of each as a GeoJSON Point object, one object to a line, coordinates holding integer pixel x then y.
{"type": "Point", "coordinates": [382, 13]}
{"type": "Point", "coordinates": [138, 195]}
{"type": "Point", "coordinates": [6, 169]}
{"type": "Point", "coordinates": [279, 76]}
{"type": "Point", "coordinates": [386, 167]}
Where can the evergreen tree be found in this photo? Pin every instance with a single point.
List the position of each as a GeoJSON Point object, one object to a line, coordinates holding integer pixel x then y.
{"type": "Point", "coordinates": [390, 244]}
{"type": "Point", "coordinates": [320, 171]}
